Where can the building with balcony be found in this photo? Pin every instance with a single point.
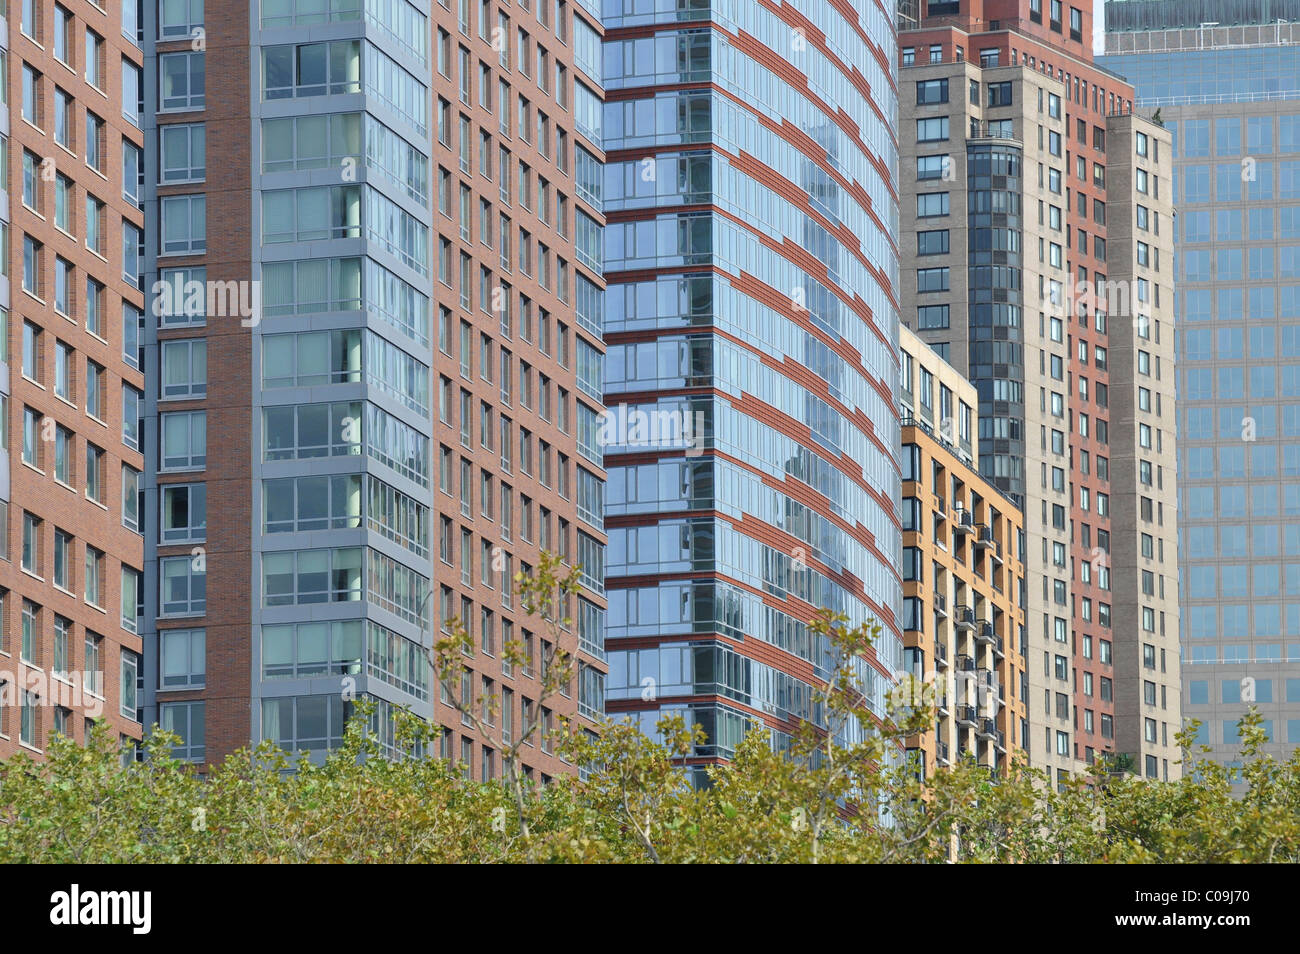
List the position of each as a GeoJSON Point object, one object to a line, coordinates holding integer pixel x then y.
{"type": "Point", "coordinates": [1017, 152]}
{"type": "Point", "coordinates": [963, 572]}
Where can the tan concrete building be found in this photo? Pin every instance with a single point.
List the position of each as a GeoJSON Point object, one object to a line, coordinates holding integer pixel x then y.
{"type": "Point", "coordinates": [963, 570]}
{"type": "Point", "coordinates": [1144, 459]}
{"type": "Point", "coordinates": [1011, 182]}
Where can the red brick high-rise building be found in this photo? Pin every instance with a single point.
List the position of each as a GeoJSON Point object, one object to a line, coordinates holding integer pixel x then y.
{"type": "Point", "coordinates": [71, 392]}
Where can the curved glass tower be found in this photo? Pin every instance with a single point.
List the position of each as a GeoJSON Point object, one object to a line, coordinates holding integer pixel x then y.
{"type": "Point", "coordinates": [751, 324]}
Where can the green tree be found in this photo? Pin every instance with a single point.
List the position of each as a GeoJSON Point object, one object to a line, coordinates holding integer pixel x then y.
{"type": "Point", "coordinates": [838, 791]}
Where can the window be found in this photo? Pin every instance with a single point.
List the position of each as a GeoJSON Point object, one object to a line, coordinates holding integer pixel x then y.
{"type": "Point", "coordinates": [94, 65]}
{"type": "Point", "coordinates": [129, 676]}
{"type": "Point", "coordinates": [184, 224]}
{"type": "Point", "coordinates": [182, 152]}
{"type": "Point", "coordinates": [132, 173]}
{"type": "Point", "coordinates": [180, 18]}
{"type": "Point", "coordinates": [931, 280]}
{"type": "Point", "coordinates": [932, 316]}
{"type": "Point", "coordinates": [185, 720]}
{"type": "Point", "coordinates": [1000, 94]}
{"type": "Point", "coordinates": [184, 368]}
{"type": "Point", "coordinates": [931, 204]}
{"type": "Point", "coordinates": [933, 91]}
{"type": "Point", "coordinates": [312, 576]}
{"type": "Point", "coordinates": [63, 452]}
{"type": "Point", "coordinates": [32, 95]}
{"type": "Point", "coordinates": [184, 512]}
{"type": "Point", "coordinates": [184, 440]}
{"type": "Point", "coordinates": [328, 502]}
{"type": "Point", "coordinates": [181, 80]}
{"type": "Point", "coordinates": [94, 570]}
{"type": "Point", "coordinates": [32, 440]}
{"type": "Point", "coordinates": [95, 397]}
{"type": "Point", "coordinates": [63, 290]}
{"type": "Point", "coordinates": [27, 731]}
{"type": "Point", "coordinates": [33, 262]}
{"type": "Point", "coordinates": [130, 498]}
{"type": "Point", "coordinates": [133, 88]}
{"type": "Point", "coordinates": [318, 69]}
{"type": "Point", "coordinates": [94, 472]}
{"type": "Point", "coordinates": [95, 227]}
{"type": "Point", "coordinates": [931, 167]}
{"type": "Point", "coordinates": [183, 586]}
{"type": "Point", "coordinates": [64, 119]}
{"type": "Point", "coordinates": [181, 298]}
{"type": "Point", "coordinates": [132, 247]}
{"type": "Point", "coordinates": [183, 661]}
{"type": "Point", "coordinates": [31, 181]}
{"type": "Point", "coordinates": [132, 402]}
{"type": "Point", "coordinates": [62, 660]}
{"type": "Point", "coordinates": [933, 129]}
{"type": "Point", "coordinates": [304, 723]}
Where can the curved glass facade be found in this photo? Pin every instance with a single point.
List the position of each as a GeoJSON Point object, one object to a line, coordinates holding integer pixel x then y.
{"type": "Point", "coordinates": [751, 327]}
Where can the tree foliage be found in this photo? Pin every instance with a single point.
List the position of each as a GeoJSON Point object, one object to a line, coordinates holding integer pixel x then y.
{"type": "Point", "coordinates": [836, 794]}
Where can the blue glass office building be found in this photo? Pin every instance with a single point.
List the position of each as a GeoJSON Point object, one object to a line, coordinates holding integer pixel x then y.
{"type": "Point", "coordinates": [1230, 95]}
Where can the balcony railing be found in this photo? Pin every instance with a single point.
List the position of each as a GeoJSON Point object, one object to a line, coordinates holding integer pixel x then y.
{"type": "Point", "coordinates": [964, 617]}
{"type": "Point", "coordinates": [984, 634]}
{"type": "Point", "coordinates": [940, 655]}
{"type": "Point", "coordinates": [965, 663]}
{"type": "Point", "coordinates": [965, 520]}
{"type": "Point", "coordinates": [992, 129]}
{"type": "Point", "coordinates": [966, 715]}
{"type": "Point", "coordinates": [988, 729]}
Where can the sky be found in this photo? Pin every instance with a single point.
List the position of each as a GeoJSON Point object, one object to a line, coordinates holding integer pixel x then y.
{"type": "Point", "coordinates": [1098, 25]}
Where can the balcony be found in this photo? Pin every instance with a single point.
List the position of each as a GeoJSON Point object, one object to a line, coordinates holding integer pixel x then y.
{"type": "Point", "coordinates": [940, 507]}
{"type": "Point", "coordinates": [984, 633]}
{"type": "Point", "coordinates": [983, 535]}
{"type": "Point", "coordinates": [940, 605]}
{"type": "Point", "coordinates": [964, 520]}
{"type": "Point", "coordinates": [941, 753]}
{"type": "Point", "coordinates": [940, 655]}
{"type": "Point", "coordinates": [991, 129]}
{"type": "Point", "coordinates": [1001, 741]}
{"type": "Point", "coordinates": [942, 706]}
{"type": "Point", "coordinates": [964, 617]}
{"type": "Point", "coordinates": [997, 552]}
{"type": "Point", "coordinates": [965, 663]}
{"type": "Point", "coordinates": [966, 716]}
{"type": "Point", "coordinates": [998, 648]}
{"type": "Point", "coordinates": [987, 729]}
